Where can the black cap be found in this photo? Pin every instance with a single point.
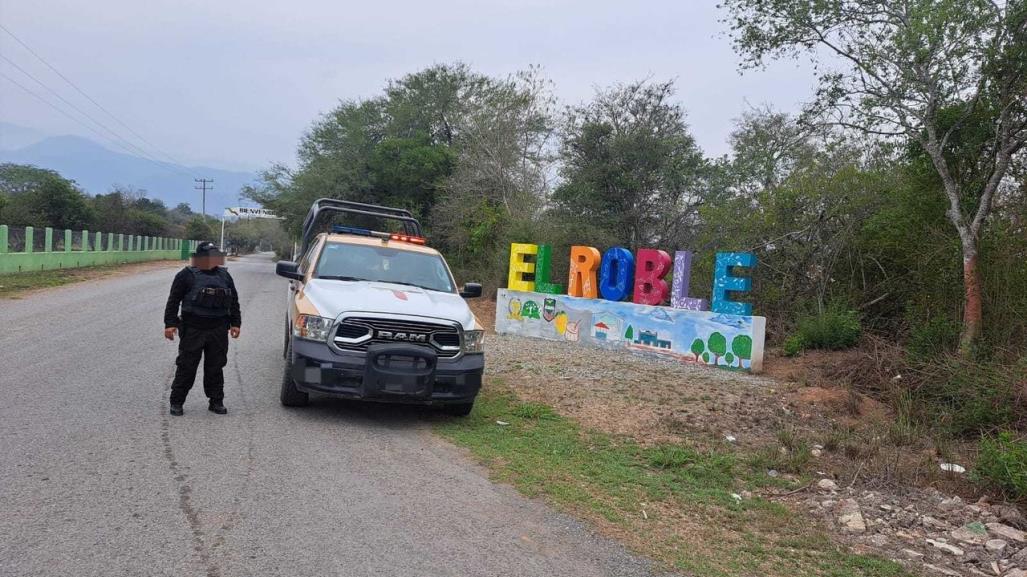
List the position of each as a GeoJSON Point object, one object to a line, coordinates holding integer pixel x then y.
{"type": "Point", "coordinates": [207, 248]}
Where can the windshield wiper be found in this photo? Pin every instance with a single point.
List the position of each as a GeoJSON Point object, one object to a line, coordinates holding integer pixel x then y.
{"type": "Point", "coordinates": [406, 284]}
{"type": "Point", "coordinates": [339, 277]}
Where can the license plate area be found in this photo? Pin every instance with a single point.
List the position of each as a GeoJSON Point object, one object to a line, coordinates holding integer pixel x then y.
{"type": "Point", "coordinates": [400, 369]}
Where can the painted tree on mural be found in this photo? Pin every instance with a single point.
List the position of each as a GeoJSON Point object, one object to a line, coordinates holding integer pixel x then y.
{"type": "Point", "coordinates": [918, 70]}
{"type": "Point", "coordinates": [698, 348]}
{"type": "Point", "coordinates": [718, 346]}
{"type": "Point", "coordinates": [741, 346]}
{"type": "Point", "coordinates": [629, 335]}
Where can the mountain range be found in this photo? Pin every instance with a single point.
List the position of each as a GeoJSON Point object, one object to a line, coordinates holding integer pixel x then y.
{"type": "Point", "coordinates": [96, 169]}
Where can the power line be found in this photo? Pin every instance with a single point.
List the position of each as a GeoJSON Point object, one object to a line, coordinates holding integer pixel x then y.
{"type": "Point", "coordinates": [120, 141]}
{"type": "Point", "coordinates": [87, 97]}
{"type": "Point", "coordinates": [203, 187]}
{"type": "Point", "coordinates": [51, 104]}
{"type": "Point", "coordinates": [164, 166]}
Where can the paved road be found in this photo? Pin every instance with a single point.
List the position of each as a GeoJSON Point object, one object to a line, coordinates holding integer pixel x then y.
{"type": "Point", "coordinates": [97, 479]}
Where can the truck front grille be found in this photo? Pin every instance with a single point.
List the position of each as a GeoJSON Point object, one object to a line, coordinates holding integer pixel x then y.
{"type": "Point", "coordinates": [357, 333]}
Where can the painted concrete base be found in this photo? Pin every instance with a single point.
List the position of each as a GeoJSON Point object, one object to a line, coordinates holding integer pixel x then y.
{"type": "Point", "coordinates": [731, 342]}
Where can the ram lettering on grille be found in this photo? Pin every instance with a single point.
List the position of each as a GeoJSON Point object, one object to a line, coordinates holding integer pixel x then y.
{"type": "Point", "coordinates": [406, 337]}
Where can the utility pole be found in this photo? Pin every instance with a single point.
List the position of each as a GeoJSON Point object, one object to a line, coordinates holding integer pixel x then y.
{"type": "Point", "coordinates": [204, 188]}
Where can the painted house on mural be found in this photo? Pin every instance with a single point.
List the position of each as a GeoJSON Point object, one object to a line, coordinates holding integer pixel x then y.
{"type": "Point", "coordinates": [652, 339]}
{"type": "Point", "coordinates": [607, 327]}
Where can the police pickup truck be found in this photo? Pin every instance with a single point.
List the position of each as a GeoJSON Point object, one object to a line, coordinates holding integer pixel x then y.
{"type": "Point", "coordinates": [376, 315]}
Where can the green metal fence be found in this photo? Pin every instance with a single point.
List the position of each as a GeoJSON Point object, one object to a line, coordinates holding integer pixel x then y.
{"type": "Point", "coordinates": [82, 248]}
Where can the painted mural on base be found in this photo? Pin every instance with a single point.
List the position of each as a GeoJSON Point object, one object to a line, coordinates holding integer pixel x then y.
{"type": "Point", "coordinates": [728, 341]}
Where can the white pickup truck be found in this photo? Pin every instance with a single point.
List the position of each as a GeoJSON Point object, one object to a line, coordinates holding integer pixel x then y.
{"type": "Point", "coordinates": [377, 315]}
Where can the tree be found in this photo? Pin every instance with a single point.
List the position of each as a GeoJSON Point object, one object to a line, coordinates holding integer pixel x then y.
{"type": "Point", "coordinates": [249, 234]}
{"type": "Point", "coordinates": [718, 346]}
{"type": "Point", "coordinates": [698, 348]}
{"type": "Point", "coordinates": [408, 172]}
{"type": "Point", "coordinates": [38, 197]}
{"type": "Point", "coordinates": [741, 346]}
{"type": "Point", "coordinates": [199, 229]}
{"type": "Point", "coordinates": [500, 178]}
{"type": "Point", "coordinates": [912, 69]}
{"type": "Point", "coordinates": [393, 149]}
{"type": "Point", "coordinates": [630, 163]}
{"type": "Point", "coordinates": [797, 195]}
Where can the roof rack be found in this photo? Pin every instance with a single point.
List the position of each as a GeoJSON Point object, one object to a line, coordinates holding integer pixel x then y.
{"type": "Point", "coordinates": [325, 205]}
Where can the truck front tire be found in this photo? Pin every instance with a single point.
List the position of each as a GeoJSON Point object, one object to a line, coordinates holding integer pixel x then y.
{"type": "Point", "coordinates": [291, 396]}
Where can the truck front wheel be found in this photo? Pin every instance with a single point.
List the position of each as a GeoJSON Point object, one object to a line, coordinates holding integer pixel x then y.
{"type": "Point", "coordinates": [291, 396]}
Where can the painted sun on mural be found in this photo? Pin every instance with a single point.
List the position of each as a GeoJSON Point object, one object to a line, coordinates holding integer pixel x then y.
{"type": "Point", "coordinates": [596, 311]}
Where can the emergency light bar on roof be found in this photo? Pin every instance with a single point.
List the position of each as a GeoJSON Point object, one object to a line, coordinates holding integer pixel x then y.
{"type": "Point", "coordinates": [339, 229]}
{"type": "Point", "coordinates": [411, 227]}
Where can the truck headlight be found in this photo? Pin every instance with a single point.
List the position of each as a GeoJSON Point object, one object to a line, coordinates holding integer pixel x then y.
{"type": "Point", "coordinates": [474, 341]}
{"type": "Point", "coordinates": [311, 327]}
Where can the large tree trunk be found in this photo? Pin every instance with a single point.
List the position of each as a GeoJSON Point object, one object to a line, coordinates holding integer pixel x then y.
{"type": "Point", "coordinates": [972, 307]}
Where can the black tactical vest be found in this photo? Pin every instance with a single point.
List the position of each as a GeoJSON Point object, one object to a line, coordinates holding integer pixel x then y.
{"type": "Point", "coordinates": [210, 295]}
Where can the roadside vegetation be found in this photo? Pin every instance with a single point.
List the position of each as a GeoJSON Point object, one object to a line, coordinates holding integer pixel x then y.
{"type": "Point", "coordinates": [682, 505]}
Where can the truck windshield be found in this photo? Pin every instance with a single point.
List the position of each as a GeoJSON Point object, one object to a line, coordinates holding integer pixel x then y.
{"type": "Point", "coordinates": [354, 262]}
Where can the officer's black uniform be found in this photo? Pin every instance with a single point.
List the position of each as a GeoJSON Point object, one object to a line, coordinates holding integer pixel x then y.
{"type": "Point", "coordinates": [210, 305]}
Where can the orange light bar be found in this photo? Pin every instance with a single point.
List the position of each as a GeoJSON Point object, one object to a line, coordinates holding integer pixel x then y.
{"type": "Point", "coordinates": [410, 239]}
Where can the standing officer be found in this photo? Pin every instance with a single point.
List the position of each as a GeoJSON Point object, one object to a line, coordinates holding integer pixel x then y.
{"type": "Point", "coordinates": [210, 311]}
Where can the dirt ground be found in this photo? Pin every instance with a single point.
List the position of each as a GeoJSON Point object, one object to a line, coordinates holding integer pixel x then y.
{"type": "Point", "coordinates": [855, 462]}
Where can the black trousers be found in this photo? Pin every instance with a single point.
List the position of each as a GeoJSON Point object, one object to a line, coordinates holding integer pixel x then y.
{"type": "Point", "coordinates": [212, 346]}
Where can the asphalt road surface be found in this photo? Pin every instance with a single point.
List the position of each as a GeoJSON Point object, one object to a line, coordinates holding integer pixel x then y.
{"type": "Point", "coordinates": [97, 479]}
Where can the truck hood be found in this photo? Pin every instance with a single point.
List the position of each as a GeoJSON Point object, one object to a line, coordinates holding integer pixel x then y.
{"type": "Point", "coordinates": [334, 297]}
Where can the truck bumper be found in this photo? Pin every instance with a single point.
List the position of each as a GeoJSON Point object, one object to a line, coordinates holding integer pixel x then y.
{"type": "Point", "coordinates": [400, 373]}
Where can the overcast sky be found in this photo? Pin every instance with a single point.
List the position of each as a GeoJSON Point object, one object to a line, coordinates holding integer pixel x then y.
{"type": "Point", "coordinates": [234, 83]}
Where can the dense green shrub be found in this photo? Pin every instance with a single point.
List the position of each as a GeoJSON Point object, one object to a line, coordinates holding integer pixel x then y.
{"type": "Point", "coordinates": [834, 329]}
{"type": "Point", "coordinates": [1003, 463]}
{"type": "Point", "coordinates": [794, 345]}
{"type": "Point", "coordinates": [970, 396]}
{"type": "Point", "coordinates": [936, 336]}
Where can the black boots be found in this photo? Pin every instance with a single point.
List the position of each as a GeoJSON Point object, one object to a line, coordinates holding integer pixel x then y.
{"type": "Point", "coordinates": [215, 407]}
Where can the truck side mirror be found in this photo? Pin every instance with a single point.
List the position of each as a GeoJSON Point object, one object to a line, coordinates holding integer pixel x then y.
{"type": "Point", "coordinates": [471, 290]}
{"type": "Point", "coordinates": [288, 269]}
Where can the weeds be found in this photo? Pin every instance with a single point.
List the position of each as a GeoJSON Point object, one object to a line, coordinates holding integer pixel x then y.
{"type": "Point", "coordinates": [834, 329]}
{"type": "Point", "coordinates": [968, 397]}
{"type": "Point", "coordinates": [1002, 463]}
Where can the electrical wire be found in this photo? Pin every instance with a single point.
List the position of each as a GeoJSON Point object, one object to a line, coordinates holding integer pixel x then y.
{"type": "Point", "coordinates": [88, 97]}
{"type": "Point", "coordinates": [117, 139]}
{"type": "Point", "coordinates": [162, 165]}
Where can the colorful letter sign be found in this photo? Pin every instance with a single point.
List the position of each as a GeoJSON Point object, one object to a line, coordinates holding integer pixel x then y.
{"type": "Point", "coordinates": [679, 298]}
{"type": "Point", "coordinates": [616, 273]}
{"type": "Point", "coordinates": [727, 336]}
{"type": "Point", "coordinates": [724, 282]}
{"type": "Point", "coordinates": [542, 266]}
{"type": "Point", "coordinates": [650, 288]}
{"type": "Point", "coordinates": [584, 261]}
{"type": "Point", "coordinates": [520, 266]}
